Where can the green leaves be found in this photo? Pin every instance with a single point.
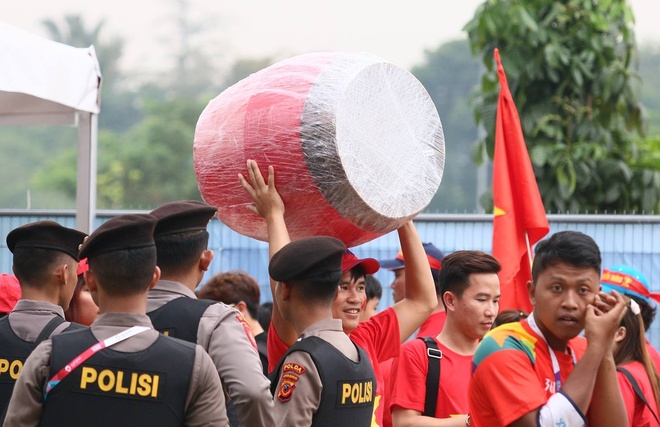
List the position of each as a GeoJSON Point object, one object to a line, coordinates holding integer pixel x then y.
{"type": "Point", "coordinates": [571, 72]}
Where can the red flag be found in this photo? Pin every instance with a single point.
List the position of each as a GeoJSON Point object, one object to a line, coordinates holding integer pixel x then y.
{"type": "Point", "coordinates": [519, 215]}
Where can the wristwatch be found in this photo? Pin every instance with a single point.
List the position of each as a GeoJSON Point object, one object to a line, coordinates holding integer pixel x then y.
{"type": "Point", "coordinates": [467, 420]}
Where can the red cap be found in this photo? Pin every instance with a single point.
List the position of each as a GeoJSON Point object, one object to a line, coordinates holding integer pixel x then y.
{"type": "Point", "coordinates": [10, 292]}
{"type": "Point", "coordinates": [349, 260]}
{"type": "Point", "coordinates": [82, 266]}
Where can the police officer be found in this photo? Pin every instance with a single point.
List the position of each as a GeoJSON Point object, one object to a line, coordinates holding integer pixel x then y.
{"type": "Point", "coordinates": [324, 379]}
{"type": "Point", "coordinates": [144, 378]}
{"type": "Point", "coordinates": [45, 263]}
{"type": "Point", "coordinates": [183, 257]}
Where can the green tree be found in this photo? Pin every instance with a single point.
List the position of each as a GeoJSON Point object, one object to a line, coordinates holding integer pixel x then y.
{"type": "Point", "coordinates": [571, 67]}
{"type": "Point", "coordinates": [449, 74]}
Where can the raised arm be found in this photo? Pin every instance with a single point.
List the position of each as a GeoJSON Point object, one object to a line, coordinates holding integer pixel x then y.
{"type": "Point", "coordinates": [268, 204]}
{"type": "Point", "coordinates": [607, 407]}
{"type": "Point", "coordinates": [592, 387]}
{"type": "Point", "coordinates": [420, 298]}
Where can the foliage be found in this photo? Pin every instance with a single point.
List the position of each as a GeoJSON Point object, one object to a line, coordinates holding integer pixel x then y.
{"type": "Point", "coordinates": [571, 70]}
{"type": "Point", "coordinates": [450, 74]}
{"type": "Point", "coordinates": [141, 169]}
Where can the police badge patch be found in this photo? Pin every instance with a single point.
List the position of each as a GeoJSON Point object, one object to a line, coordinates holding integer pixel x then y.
{"type": "Point", "coordinates": [287, 385]}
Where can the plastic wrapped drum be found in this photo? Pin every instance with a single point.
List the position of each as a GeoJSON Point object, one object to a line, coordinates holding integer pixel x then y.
{"type": "Point", "coordinates": [355, 141]}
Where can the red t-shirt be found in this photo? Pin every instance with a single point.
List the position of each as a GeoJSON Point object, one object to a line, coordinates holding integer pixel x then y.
{"type": "Point", "coordinates": [512, 374]}
{"type": "Point", "coordinates": [639, 414]}
{"type": "Point", "coordinates": [378, 337]}
{"type": "Point", "coordinates": [409, 374]}
{"type": "Point", "coordinates": [433, 325]}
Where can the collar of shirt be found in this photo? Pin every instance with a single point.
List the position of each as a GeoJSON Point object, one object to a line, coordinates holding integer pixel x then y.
{"type": "Point", "coordinates": [324, 325]}
{"type": "Point", "coordinates": [170, 287]}
{"type": "Point", "coordinates": [32, 306]}
{"type": "Point", "coordinates": [122, 320]}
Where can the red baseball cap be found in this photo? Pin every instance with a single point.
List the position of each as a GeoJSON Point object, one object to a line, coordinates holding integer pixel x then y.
{"type": "Point", "coordinates": [82, 266]}
{"type": "Point", "coordinates": [10, 292]}
{"type": "Point", "coordinates": [349, 260]}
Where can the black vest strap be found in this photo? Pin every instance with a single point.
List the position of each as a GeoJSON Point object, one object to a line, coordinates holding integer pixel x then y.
{"type": "Point", "coordinates": [180, 317]}
{"type": "Point", "coordinates": [638, 390]}
{"type": "Point", "coordinates": [48, 329]}
{"type": "Point", "coordinates": [432, 377]}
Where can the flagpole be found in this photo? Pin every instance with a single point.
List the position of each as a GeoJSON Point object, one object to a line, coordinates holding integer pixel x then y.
{"type": "Point", "coordinates": [529, 250]}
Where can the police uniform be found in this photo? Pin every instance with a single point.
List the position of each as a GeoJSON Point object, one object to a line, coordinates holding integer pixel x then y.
{"type": "Point", "coordinates": [218, 328]}
{"type": "Point", "coordinates": [31, 321]}
{"type": "Point", "coordinates": [203, 395]}
{"type": "Point", "coordinates": [324, 379]}
{"type": "Point", "coordinates": [145, 379]}
{"type": "Point", "coordinates": [18, 338]}
{"type": "Point", "coordinates": [223, 333]}
{"type": "Point", "coordinates": [299, 375]}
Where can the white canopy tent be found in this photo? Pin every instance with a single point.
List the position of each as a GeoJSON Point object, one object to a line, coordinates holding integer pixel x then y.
{"type": "Point", "coordinates": [43, 82]}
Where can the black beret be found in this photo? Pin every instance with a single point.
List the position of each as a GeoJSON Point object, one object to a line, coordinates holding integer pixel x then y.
{"type": "Point", "coordinates": [131, 231]}
{"type": "Point", "coordinates": [307, 257]}
{"type": "Point", "coordinates": [46, 235]}
{"type": "Point", "coordinates": [183, 216]}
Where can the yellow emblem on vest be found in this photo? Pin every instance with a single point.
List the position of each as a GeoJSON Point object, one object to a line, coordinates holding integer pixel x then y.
{"type": "Point", "coordinates": [119, 382]}
{"type": "Point", "coordinates": [10, 366]}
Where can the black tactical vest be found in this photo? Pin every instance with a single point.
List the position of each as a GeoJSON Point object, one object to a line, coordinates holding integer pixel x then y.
{"type": "Point", "coordinates": [112, 388]}
{"type": "Point", "coordinates": [14, 351]}
{"type": "Point", "coordinates": [349, 388]}
{"type": "Point", "coordinates": [179, 318]}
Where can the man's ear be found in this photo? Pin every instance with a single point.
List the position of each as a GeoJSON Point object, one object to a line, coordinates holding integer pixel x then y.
{"type": "Point", "coordinates": [450, 300]}
{"type": "Point", "coordinates": [205, 259]}
{"type": "Point", "coordinates": [286, 291]}
{"type": "Point", "coordinates": [61, 272]}
{"type": "Point", "coordinates": [155, 278]}
{"type": "Point", "coordinates": [531, 290]}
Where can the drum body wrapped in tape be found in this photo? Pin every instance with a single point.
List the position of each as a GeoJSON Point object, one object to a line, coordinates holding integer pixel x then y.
{"type": "Point", "coordinates": [356, 144]}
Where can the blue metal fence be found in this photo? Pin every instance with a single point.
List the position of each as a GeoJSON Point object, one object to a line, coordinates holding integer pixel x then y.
{"type": "Point", "coordinates": [624, 239]}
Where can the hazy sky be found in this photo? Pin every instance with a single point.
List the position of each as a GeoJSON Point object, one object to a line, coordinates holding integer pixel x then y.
{"type": "Point", "coordinates": [398, 32]}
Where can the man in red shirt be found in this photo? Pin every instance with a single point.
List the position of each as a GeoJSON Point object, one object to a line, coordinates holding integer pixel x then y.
{"type": "Point", "coordinates": [381, 335]}
{"type": "Point", "coordinates": [538, 372]}
{"type": "Point", "coordinates": [470, 291]}
{"type": "Point", "coordinates": [433, 325]}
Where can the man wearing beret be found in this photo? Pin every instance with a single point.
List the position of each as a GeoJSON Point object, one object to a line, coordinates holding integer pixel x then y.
{"type": "Point", "coordinates": [380, 336]}
{"type": "Point", "coordinates": [144, 378]}
{"type": "Point", "coordinates": [183, 258]}
{"type": "Point", "coordinates": [45, 263]}
{"type": "Point", "coordinates": [324, 379]}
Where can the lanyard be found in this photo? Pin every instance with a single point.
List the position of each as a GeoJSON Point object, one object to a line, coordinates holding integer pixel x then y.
{"type": "Point", "coordinates": [555, 364]}
{"type": "Point", "coordinates": [73, 364]}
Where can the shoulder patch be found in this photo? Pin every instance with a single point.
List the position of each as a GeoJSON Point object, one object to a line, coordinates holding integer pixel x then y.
{"type": "Point", "coordinates": [248, 329]}
{"type": "Point", "coordinates": [287, 385]}
{"type": "Point", "coordinates": [294, 367]}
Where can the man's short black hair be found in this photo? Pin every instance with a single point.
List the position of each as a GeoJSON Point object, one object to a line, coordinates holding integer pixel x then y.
{"type": "Point", "coordinates": [177, 253]}
{"type": "Point", "coordinates": [457, 268]}
{"type": "Point", "coordinates": [124, 272]}
{"type": "Point", "coordinates": [572, 247]}
{"type": "Point", "coordinates": [33, 266]}
{"type": "Point", "coordinates": [321, 288]}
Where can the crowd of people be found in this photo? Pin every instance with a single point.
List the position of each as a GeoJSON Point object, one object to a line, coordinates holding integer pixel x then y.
{"type": "Point", "coordinates": [117, 328]}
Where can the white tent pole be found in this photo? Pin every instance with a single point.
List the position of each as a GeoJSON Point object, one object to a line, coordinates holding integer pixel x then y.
{"type": "Point", "coordinates": [86, 177]}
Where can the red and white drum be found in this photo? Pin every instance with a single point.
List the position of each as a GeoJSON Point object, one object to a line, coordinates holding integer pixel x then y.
{"type": "Point", "coordinates": [356, 143]}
